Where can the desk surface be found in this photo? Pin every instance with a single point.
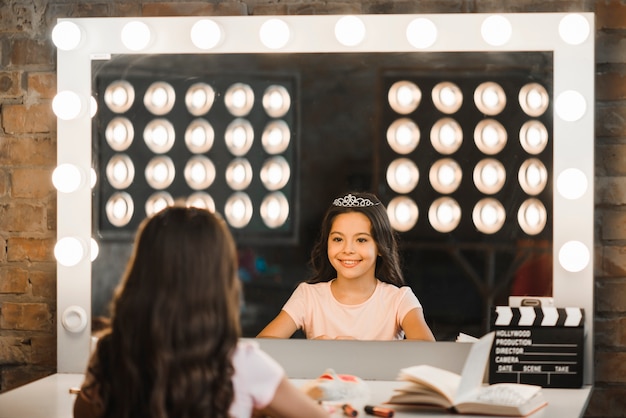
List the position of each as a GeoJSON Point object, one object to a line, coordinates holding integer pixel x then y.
{"type": "Point", "coordinates": [50, 398]}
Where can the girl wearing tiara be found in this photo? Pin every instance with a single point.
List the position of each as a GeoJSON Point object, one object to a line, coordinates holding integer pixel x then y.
{"type": "Point", "coordinates": [357, 291]}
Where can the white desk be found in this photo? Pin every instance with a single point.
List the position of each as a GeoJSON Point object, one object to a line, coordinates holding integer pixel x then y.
{"type": "Point", "coordinates": [50, 398]}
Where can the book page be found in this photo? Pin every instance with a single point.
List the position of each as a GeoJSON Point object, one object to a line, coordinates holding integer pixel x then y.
{"type": "Point", "coordinates": [474, 368]}
{"type": "Point", "coordinates": [440, 380]}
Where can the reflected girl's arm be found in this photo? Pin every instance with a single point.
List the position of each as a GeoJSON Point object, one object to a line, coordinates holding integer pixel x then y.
{"type": "Point", "coordinates": [281, 327]}
{"type": "Point", "coordinates": [415, 326]}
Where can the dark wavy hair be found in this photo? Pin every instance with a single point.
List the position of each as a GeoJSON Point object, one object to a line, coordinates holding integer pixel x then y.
{"type": "Point", "coordinates": [175, 322]}
{"type": "Point", "coordinates": [388, 268]}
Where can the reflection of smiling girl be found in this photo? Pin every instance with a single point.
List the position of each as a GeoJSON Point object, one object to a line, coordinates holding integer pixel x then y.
{"type": "Point", "coordinates": [357, 291]}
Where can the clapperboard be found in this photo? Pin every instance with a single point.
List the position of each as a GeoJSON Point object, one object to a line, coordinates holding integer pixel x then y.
{"type": "Point", "coordinates": [538, 345]}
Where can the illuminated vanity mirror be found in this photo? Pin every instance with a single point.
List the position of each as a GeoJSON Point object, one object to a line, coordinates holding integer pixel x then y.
{"type": "Point", "coordinates": [421, 50]}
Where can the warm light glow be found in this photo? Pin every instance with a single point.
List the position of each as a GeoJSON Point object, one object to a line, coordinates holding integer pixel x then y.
{"type": "Point", "coordinates": [403, 136]}
{"type": "Point", "coordinates": [94, 249]}
{"type": "Point", "coordinates": [276, 137]}
{"type": "Point", "coordinates": [534, 100]}
{"type": "Point", "coordinates": [350, 31]}
{"type": "Point", "coordinates": [490, 136]}
{"type": "Point", "coordinates": [239, 174]}
{"type": "Point", "coordinates": [274, 33]}
{"type": "Point", "coordinates": [136, 35]}
{"type": "Point", "coordinates": [421, 33]}
{"type": "Point", "coordinates": [532, 216]}
{"type": "Point", "coordinates": [446, 136]}
{"type": "Point", "coordinates": [199, 99]}
{"type": "Point", "coordinates": [574, 29]}
{"type": "Point", "coordinates": [119, 209]}
{"type": "Point", "coordinates": [206, 34]}
{"type": "Point", "coordinates": [199, 136]}
{"type": "Point", "coordinates": [447, 97]}
{"type": "Point", "coordinates": [67, 105]}
{"type": "Point", "coordinates": [574, 256]}
{"type": "Point", "coordinates": [276, 101]}
{"type": "Point", "coordinates": [66, 35]}
{"type": "Point", "coordinates": [160, 172]}
{"type": "Point", "coordinates": [274, 210]}
{"type": "Point", "coordinates": [239, 137]}
{"type": "Point", "coordinates": [159, 135]}
{"type": "Point", "coordinates": [238, 210]}
{"type": "Point", "coordinates": [239, 99]}
{"type": "Point", "coordinates": [489, 176]}
{"type": "Point", "coordinates": [275, 173]}
{"type": "Point", "coordinates": [119, 96]}
{"type": "Point", "coordinates": [403, 213]}
{"type": "Point", "coordinates": [402, 175]}
{"type": "Point", "coordinates": [445, 175]}
{"type": "Point", "coordinates": [496, 30]}
{"type": "Point", "coordinates": [119, 133]}
{"type": "Point", "coordinates": [69, 251]}
{"type": "Point", "coordinates": [120, 171]}
{"type": "Point", "coordinates": [570, 106]}
{"type": "Point", "coordinates": [490, 98]}
{"type": "Point", "coordinates": [488, 215]}
{"type": "Point", "coordinates": [572, 183]}
{"type": "Point", "coordinates": [444, 214]}
{"type": "Point", "coordinates": [67, 178]}
{"type": "Point", "coordinates": [199, 172]}
{"type": "Point", "coordinates": [159, 98]}
{"type": "Point", "coordinates": [201, 200]}
{"type": "Point", "coordinates": [157, 202]}
{"type": "Point", "coordinates": [533, 176]}
{"type": "Point", "coordinates": [404, 97]}
{"type": "Point", "coordinates": [533, 136]}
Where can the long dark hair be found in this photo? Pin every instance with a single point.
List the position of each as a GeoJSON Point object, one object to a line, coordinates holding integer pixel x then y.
{"type": "Point", "coordinates": [388, 267]}
{"type": "Point", "coordinates": [175, 322]}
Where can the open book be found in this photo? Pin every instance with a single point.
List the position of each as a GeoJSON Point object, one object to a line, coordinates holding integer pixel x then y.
{"type": "Point", "coordinates": [432, 387]}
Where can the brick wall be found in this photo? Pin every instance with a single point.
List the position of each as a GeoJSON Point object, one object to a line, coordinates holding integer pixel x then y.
{"type": "Point", "coordinates": [28, 153]}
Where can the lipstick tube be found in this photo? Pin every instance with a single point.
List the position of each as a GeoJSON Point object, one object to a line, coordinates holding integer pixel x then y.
{"type": "Point", "coordinates": [378, 411]}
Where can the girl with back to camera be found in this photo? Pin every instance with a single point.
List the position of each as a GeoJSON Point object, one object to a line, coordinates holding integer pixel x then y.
{"type": "Point", "coordinates": [357, 291]}
{"type": "Point", "coordinates": [173, 350]}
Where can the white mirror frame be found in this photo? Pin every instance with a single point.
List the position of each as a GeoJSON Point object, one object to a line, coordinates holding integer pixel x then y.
{"type": "Point", "coordinates": [573, 141]}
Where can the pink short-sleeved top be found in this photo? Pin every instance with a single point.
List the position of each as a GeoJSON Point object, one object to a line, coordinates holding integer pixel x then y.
{"type": "Point", "coordinates": [315, 310]}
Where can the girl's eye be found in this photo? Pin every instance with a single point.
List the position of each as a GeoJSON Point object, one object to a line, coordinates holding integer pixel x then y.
{"type": "Point", "coordinates": [362, 240]}
{"type": "Point", "coordinates": [336, 239]}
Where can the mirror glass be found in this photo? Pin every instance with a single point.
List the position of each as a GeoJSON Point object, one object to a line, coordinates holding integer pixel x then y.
{"type": "Point", "coordinates": [348, 135]}
{"type": "Point", "coordinates": [339, 122]}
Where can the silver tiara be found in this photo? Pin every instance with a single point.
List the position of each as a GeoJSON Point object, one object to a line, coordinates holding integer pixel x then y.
{"type": "Point", "coordinates": [350, 201]}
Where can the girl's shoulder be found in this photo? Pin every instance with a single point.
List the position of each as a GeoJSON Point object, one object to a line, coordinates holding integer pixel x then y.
{"type": "Point", "coordinates": [393, 289]}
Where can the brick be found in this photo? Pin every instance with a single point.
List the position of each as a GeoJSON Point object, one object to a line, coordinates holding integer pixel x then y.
{"type": "Point", "coordinates": [610, 48]}
{"type": "Point", "coordinates": [31, 183]}
{"type": "Point", "coordinates": [613, 225]}
{"type": "Point", "coordinates": [28, 151]}
{"type": "Point", "coordinates": [14, 350]}
{"type": "Point", "coordinates": [42, 85]}
{"type": "Point", "coordinates": [307, 8]}
{"type": "Point", "coordinates": [16, 16]}
{"type": "Point", "coordinates": [31, 53]}
{"type": "Point", "coordinates": [610, 14]}
{"type": "Point", "coordinates": [22, 217]}
{"type": "Point", "coordinates": [610, 191]}
{"type": "Point", "coordinates": [26, 316]}
{"type": "Point", "coordinates": [606, 402]}
{"type": "Point", "coordinates": [36, 118]}
{"type": "Point", "coordinates": [4, 181]}
{"type": "Point", "coordinates": [13, 280]}
{"type": "Point", "coordinates": [13, 377]}
{"type": "Point", "coordinates": [610, 159]}
{"type": "Point", "coordinates": [611, 120]}
{"type": "Point", "coordinates": [611, 367]}
{"type": "Point", "coordinates": [194, 9]}
{"type": "Point", "coordinates": [610, 85]}
{"type": "Point", "coordinates": [43, 284]}
{"type": "Point", "coordinates": [11, 85]}
{"type": "Point", "coordinates": [30, 249]}
{"type": "Point", "coordinates": [610, 264]}
{"type": "Point", "coordinates": [44, 350]}
{"type": "Point", "coordinates": [611, 296]}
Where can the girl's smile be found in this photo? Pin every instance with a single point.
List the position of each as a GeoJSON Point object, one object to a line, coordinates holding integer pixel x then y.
{"type": "Point", "coordinates": [352, 250]}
